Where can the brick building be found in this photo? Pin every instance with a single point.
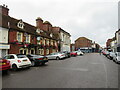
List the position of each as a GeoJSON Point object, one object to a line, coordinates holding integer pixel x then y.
{"type": "Point", "coordinates": [4, 46]}
{"type": "Point", "coordinates": [72, 47]}
{"type": "Point", "coordinates": [83, 44]}
{"type": "Point", "coordinates": [25, 38]}
{"type": "Point", "coordinates": [108, 43]}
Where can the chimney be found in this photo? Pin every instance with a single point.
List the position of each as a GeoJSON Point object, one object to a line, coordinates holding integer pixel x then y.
{"type": "Point", "coordinates": [4, 9]}
{"type": "Point", "coordinates": [39, 23]}
{"type": "Point", "coordinates": [47, 26]}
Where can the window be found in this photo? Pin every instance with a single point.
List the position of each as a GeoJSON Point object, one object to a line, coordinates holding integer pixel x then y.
{"type": "Point", "coordinates": [47, 51]}
{"type": "Point", "coordinates": [9, 57]}
{"type": "Point", "coordinates": [27, 39]}
{"type": "Point", "coordinates": [21, 56]}
{"type": "Point", "coordinates": [19, 37]}
{"type": "Point", "coordinates": [21, 51]}
{"type": "Point", "coordinates": [32, 51]}
{"type": "Point", "coordinates": [41, 51]}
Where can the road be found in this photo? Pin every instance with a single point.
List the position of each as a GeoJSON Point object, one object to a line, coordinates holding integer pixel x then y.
{"type": "Point", "coordinates": [89, 71]}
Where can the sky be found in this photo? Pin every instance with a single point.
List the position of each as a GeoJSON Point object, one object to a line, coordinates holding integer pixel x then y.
{"type": "Point", "coordinates": [94, 19]}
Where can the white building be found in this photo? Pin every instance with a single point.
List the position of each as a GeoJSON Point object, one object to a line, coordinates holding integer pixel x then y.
{"type": "Point", "coordinates": [65, 40]}
{"type": "Point", "coordinates": [117, 34]}
{"type": "Point", "coordinates": [113, 45]}
{"type": "Point", "coordinates": [4, 46]}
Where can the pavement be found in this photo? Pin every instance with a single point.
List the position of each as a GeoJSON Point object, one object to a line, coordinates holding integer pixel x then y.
{"type": "Point", "coordinates": [89, 71]}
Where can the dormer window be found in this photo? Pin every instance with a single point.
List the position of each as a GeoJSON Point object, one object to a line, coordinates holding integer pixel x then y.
{"type": "Point", "coordinates": [39, 31]}
{"type": "Point", "coordinates": [20, 24]}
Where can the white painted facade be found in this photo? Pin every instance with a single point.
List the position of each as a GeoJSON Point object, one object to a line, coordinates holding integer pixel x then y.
{"type": "Point", "coordinates": [65, 41]}
{"type": "Point", "coordinates": [118, 37]}
{"type": "Point", "coordinates": [4, 42]}
{"type": "Point", "coordinates": [113, 45]}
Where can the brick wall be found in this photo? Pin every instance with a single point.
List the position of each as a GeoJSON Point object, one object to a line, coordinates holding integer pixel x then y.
{"type": "Point", "coordinates": [83, 42]}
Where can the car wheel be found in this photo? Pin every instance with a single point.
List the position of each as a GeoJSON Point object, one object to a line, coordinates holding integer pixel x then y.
{"type": "Point", "coordinates": [32, 63]}
{"type": "Point", "coordinates": [57, 58]}
{"type": "Point", "coordinates": [43, 63]}
{"type": "Point", "coordinates": [14, 67]}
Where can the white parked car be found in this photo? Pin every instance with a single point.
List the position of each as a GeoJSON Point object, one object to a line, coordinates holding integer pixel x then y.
{"type": "Point", "coordinates": [79, 52]}
{"type": "Point", "coordinates": [111, 55]}
{"type": "Point", "coordinates": [18, 61]}
{"type": "Point", "coordinates": [56, 56]}
{"type": "Point", "coordinates": [116, 57]}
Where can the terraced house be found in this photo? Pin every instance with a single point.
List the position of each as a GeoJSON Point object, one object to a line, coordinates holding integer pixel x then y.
{"type": "Point", "coordinates": [28, 39]}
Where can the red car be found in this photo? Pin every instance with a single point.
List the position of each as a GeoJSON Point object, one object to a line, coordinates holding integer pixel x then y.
{"type": "Point", "coordinates": [73, 53]}
{"type": "Point", "coordinates": [4, 65]}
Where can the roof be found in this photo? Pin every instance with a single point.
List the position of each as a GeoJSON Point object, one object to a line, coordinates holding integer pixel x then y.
{"type": "Point", "coordinates": [83, 38]}
{"type": "Point", "coordinates": [13, 24]}
{"type": "Point", "coordinates": [28, 28]}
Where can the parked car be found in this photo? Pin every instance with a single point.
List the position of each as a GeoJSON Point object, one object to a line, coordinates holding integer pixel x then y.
{"type": "Point", "coordinates": [105, 53]}
{"type": "Point", "coordinates": [79, 52]}
{"type": "Point", "coordinates": [67, 54]}
{"type": "Point", "coordinates": [57, 56]}
{"type": "Point", "coordinates": [73, 53]}
{"type": "Point", "coordinates": [37, 59]}
{"type": "Point", "coordinates": [4, 65]}
{"type": "Point", "coordinates": [116, 57]}
{"type": "Point", "coordinates": [111, 55]}
{"type": "Point", "coordinates": [18, 61]}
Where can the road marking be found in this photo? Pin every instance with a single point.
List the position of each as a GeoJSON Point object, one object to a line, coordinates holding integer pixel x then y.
{"type": "Point", "coordinates": [106, 83]}
{"type": "Point", "coordinates": [75, 69]}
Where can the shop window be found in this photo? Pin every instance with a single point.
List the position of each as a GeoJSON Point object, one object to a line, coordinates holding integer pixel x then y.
{"type": "Point", "coordinates": [21, 51]}
{"type": "Point", "coordinates": [32, 51]}
{"type": "Point", "coordinates": [25, 52]}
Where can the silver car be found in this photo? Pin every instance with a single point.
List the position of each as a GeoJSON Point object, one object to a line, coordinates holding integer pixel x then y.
{"type": "Point", "coordinates": [56, 56]}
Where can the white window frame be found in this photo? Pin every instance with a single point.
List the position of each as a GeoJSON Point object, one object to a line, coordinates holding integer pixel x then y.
{"type": "Point", "coordinates": [23, 50]}
{"type": "Point", "coordinates": [21, 36]}
{"type": "Point", "coordinates": [29, 37]}
{"type": "Point", "coordinates": [33, 50]}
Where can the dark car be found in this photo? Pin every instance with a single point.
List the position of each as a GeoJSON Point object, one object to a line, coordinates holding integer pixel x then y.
{"type": "Point", "coordinates": [37, 59]}
{"type": "Point", "coordinates": [67, 54]}
{"type": "Point", "coordinates": [4, 65]}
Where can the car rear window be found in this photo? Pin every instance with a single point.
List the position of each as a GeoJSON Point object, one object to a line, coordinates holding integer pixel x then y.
{"type": "Point", "coordinates": [21, 56]}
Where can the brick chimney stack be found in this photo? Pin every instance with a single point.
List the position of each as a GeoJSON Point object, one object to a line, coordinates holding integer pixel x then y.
{"type": "Point", "coordinates": [4, 10]}
{"type": "Point", "coordinates": [39, 23]}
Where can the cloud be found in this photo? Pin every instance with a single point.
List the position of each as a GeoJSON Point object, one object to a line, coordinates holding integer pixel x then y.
{"type": "Point", "coordinates": [95, 19]}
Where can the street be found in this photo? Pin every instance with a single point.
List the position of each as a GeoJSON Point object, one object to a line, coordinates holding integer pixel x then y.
{"type": "Point", "coordinates": [89, 71]}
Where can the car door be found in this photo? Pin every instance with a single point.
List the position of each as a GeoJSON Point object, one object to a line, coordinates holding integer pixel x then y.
{"type": "Point", "coordinates": [50, 56]}
{"type": "Point", "coordinates": [10, 58]}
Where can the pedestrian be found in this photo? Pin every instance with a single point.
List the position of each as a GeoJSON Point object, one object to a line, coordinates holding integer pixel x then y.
{"type": "Point", "coordinates": [100, 52]}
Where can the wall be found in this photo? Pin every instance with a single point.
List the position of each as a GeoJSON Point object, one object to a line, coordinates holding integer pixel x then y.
{"type": "Point", "coordinates": [3, 35]}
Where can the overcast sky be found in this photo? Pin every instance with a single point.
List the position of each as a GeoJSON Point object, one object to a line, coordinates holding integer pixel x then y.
{"type": "Point", "coordinates": [94, 19]}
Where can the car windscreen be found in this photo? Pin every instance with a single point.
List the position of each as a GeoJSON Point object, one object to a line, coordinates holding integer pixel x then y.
{"type": "Point", "coordinates": [21, 56]}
